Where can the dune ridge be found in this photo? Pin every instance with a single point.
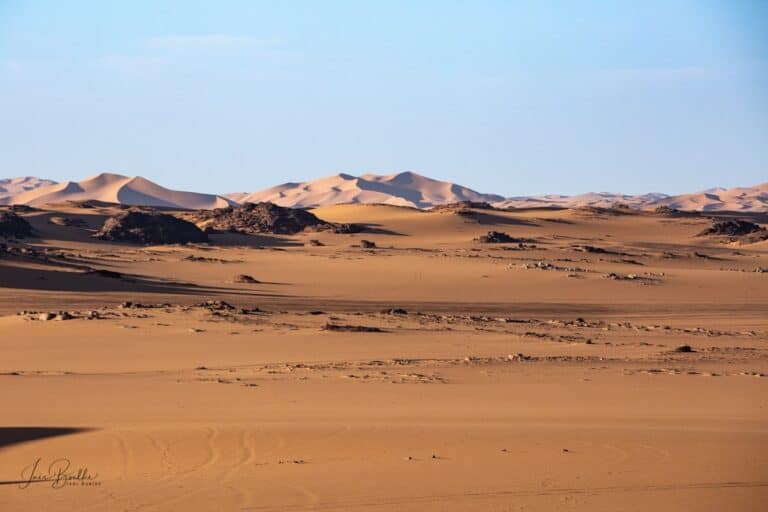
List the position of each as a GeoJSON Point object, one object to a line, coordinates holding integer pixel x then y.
{"type": "Point", "coordinates": [116, 188]}
{"type": "Point", "coordinates": [402, 189]}
{"type": "Point", "coordinates": [414, 190]}
{"type": "Point", "coordinates": [10, 187]}
{"type": "Point", "coordinates": [407, 189]}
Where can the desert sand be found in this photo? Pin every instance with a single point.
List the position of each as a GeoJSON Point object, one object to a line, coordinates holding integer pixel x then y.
{"type": "Point", "coordinates": [604, 360]}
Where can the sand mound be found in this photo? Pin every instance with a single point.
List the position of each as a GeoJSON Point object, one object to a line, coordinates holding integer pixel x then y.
{"type": "Point", "coordinates": [254, 218]}
{"type": "Point", "coordinates": [11, 225]}
{"type": "Point", "coordinates": [149, 228]}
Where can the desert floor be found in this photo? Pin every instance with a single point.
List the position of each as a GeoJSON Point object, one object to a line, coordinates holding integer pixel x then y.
{"type": "Point", "coordinates": [503, 384]}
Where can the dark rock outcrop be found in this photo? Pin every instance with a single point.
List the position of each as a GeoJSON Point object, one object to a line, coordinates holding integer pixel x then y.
{"type": "Point", "coordinates": [149, 228]}
{"type": "Point", "coordinates": [497, 237]}
{"type": "Point", "coordinates": [246, 279]}
{"type": "Point", "coordinates": [11, 225]}
{"type": "Point", "coordinates": [255, 218]}
{"type": "Point", "coordinates": [732, 228]}
{"type": "Point", "coordinates": [737, 231]}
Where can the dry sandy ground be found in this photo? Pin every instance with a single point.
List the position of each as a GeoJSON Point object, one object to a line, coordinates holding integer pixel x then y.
{"type": "Point", "coordinates": [502, 386]}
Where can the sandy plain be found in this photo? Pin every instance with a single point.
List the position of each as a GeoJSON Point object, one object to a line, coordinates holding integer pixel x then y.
{"type": "Point", "coordinates": [514, 378]}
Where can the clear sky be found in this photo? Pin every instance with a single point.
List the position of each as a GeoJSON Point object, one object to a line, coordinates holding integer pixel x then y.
{"type": "Point", "coordinates": [511, 97]}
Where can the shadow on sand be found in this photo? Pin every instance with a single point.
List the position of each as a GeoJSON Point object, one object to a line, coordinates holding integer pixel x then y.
{"type": "Point", "coordinates": [252, 241]}
{"type": "Point", "coordinates": [490, 219]}
{"type": "Point", "coordinates": [58, 280]}
{"type": "Point", "coordinates": [10, 436]}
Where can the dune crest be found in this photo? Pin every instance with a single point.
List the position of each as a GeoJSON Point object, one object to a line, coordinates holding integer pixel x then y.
{"type": "Point", "coordinates": [406, 189]}
{"type": "Point", "coordinates": [746, 199]}
{"type": "Point", "coordinates": [116, 188]}
{"type": "Point", "coordinates": [10, 187]}
{"type": "Point", "coordinates": [402, 189]}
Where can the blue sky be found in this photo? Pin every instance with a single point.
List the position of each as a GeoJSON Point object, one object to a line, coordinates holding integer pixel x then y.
{"type": "Point", "coordinates": [507, 97]}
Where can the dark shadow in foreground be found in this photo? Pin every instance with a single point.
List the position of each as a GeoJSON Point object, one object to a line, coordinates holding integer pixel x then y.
{"type": "Point", "coordinates": [15, 435]}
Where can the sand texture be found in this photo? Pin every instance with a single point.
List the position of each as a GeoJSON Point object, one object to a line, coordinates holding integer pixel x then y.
{"type": "Point", "coordinates": [603, 360]}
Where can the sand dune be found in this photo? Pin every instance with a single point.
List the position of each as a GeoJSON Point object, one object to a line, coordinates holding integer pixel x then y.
{"type": "Point", "coordinates": [403, 189]}
{"type": "Point", "coordinates": [754, 199]}
{"type": "Point", "coordinates": [10, 187]}
{"type": "Point", "coordinates": [411, 189]}
{"type": "Point", "coordinates": [746, 199]}
{"type": "Point", "coordinates": [115, 188]}
{"type": "Point", "coordinates": [597, 199]}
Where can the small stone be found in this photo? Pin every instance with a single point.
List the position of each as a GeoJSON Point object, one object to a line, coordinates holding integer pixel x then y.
{"type": "Point", "coordinates": [245, 278]}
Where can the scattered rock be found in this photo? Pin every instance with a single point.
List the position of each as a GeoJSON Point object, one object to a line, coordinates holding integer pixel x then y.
{"type": "Point", "coordinates": [95, 203]}
{"type": "Point", "coordinates": [60, 315]}
{"type": "Point", "coordinates": [205, 259]}
{"type": "Point", "coordinates": [684, 348]}
{"type": "Point", "coordinates": [216, 305]}
{"type": "Point", "coordinates": [543, 265]}
{"type": "Point", "coordinates": [394, 311]}
{"type": "Point", "coordinates": [149, 228]}
{"type": "Point", "coordinates": [351, 328]}
{"type": "Point", "coordinates": [631, 277]}
{"type": "Point", "coordinates": [597, 250]}
{"type": "Point", "coordinates": [66, 221]}
{"type": "Point", "coordinates": [367, 244]}
{"type": "Point", "coordinates": [245, 278]}
{"type": "Point", "coordinates": [666, 210]}
{"type": "Point", "coordinates": [497, 237]}
{"type": "Point", "coordinates": [316, 243]}
{"type": "Point", "coordinates": [463, 207]}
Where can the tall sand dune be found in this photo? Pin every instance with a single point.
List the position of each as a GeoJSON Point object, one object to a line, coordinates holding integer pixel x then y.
{"type": "Point", "coordinates": [403, 189]}
{"type": "Point", "coordinates": [115, 188]}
